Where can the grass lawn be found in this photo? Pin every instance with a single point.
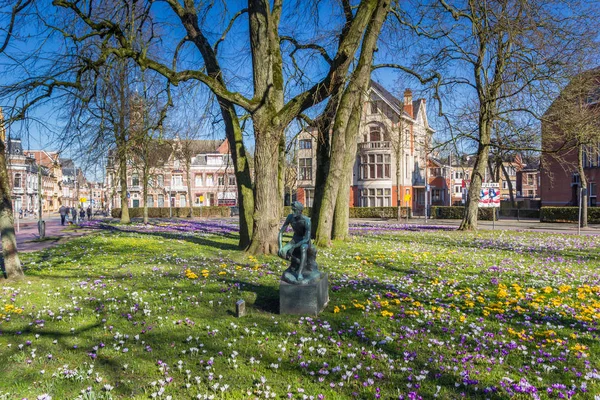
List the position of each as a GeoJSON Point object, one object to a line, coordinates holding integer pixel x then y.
{"type": "Point", "coordinates": [135, 312]}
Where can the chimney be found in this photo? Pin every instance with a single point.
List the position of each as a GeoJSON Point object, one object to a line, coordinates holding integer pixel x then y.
{"type": "Point", "coordinates": [408, 104]}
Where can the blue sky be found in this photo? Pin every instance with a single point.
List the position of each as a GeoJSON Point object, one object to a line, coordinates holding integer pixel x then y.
{"type": "Point", "coordinates": [316, 24]}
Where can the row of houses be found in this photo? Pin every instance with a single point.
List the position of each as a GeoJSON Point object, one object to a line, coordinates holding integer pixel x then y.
{"type": "Point", "coordinates": [393, 162]}
{"type": "Point", "coordinates": [62, 183]}
{"type": "Point", "coordinates": [202, 168]}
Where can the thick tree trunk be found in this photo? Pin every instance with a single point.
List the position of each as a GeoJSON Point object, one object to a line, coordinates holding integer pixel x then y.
{"type": "Point", "coordinates": [584, 197]}
{"type": "Point", "coordinates": [323, 162]}
{"type": "Point", "coordinates": [267, 196]}
{"type": "Point", "coordinates": [281, 173]}
{"type": "Point", "coordinates": [469, 221]}
{"type": "Point", "coordinates": [122, 154]}
{"type": "Point", "coordinates": [11, 265]}
{"type": "Point", "coordinates": [335, 198]}
{"type": "Point", "coordinates": [242, 172]}
{"type": "Point", "coordinates": [342, 205]}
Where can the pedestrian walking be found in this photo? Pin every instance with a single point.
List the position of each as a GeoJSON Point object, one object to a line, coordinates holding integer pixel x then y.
{"type": "Point", "coordinates": [89, 213]}
{"type": "Point", "coordinates": [63, 214]}
{"type": "Point", "coordinates": [74, 214]}
{"type": "Point", "coordinates": [81, 214]}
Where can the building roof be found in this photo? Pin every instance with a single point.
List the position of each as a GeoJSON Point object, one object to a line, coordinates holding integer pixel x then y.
{"type": "Point", "coordinates": [15, 147]}
{"type": "Point", "coordinates": [393, 100]}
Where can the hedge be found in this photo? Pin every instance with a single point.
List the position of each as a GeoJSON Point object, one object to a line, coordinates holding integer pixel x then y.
{"type": "Point", "coordinates": [458, 212]}
{"type": "Point", "coordinates": [183, 212]}
{"type": "Point", "coordinates": [378, 212]}
{"type": "Point", "coordinates": [520, 213]}
{"type": "Point", "coordinates": [361, 212]}
{"type": "Point", "coordinates": [568, 214]}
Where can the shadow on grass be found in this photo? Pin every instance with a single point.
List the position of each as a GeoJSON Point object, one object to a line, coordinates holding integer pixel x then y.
{"type": "Point", "coordinates": [203, 241]}
{"type": "Point", "coordinates": [267, 297]}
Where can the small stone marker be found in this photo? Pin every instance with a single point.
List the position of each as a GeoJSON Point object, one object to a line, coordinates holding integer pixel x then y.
{"type": "Point", "coordinates": [240, 308]}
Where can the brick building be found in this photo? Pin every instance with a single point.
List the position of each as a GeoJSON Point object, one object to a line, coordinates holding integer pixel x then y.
{"type": "Point", "coordinates": [393, 142]}
{"type": "Point", "coordinates": [210, 176]}
{"type": "Point", "coordinates": [559, 177]}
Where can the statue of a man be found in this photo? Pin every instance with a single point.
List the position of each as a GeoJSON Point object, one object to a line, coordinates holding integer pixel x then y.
{"type": "Point", "coordinates": [303, 267]}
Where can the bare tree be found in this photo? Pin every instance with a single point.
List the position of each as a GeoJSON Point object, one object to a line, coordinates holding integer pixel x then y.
{"type": "Point", "coordinates": [338, 129]}
{"type": "Point", "coordinates": [269, 110]}
{"type": "Point", "coordinates": [506, 55]}
{"type": "Point", "coordinates": [11, 265]}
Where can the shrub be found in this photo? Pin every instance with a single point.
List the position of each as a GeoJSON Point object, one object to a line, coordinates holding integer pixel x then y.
{"type": "Point", "coordinates": [182, 212]}
{"type": "Point", "coordinates": [521, 213]}
{"type": "Point", "coordinates": [458, 212]}
{"type": "Point", "coordinates": [568, 214]}
{"type": "Point", "coordinates": [378, 212]}
{"type": "Point", "coordinates": [361, 212]}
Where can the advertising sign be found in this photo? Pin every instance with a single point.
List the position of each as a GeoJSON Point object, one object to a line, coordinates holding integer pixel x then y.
{"type": "Point", "coordinates": [489, 195]}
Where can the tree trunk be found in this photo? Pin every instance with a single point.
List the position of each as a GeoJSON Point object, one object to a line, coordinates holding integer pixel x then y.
{"type": "Point", "coordinates": [513, 204]}
{"type": "Point", "coordinates": [145, 191]}
{"type": "Point", "coordinates": [336, 190]}
{"type": "Point", "coordinates": [281, 173]}
{"type": "Point", "coordinates": [122, 154]}
{"type": "Point", "coordinates": [188, 167]}
{"type": "Point", "coordinates": [342, 206]}
{"type": "Point", "coordinates": [241, 166]}
{"type": "Point", "coordinates": [469, 221]}
{"type": "Point", "coordinates": [267, 196]}
{"type": "Point", "coordinates": [11, 265]}
{"type": "Point", "coordinates": [584, 197]}
{"type": "Point", "coordinates": [323, 161]}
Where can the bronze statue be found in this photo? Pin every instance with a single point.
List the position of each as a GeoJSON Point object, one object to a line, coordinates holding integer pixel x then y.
{"type": "Point", "coordinates": [300, 251]}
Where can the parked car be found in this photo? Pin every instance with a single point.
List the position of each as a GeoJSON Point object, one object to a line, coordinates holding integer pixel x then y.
{"type": "Point", "coordinates": [235, 210]}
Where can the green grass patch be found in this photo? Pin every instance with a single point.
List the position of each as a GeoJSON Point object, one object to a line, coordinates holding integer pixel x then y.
{"type": "Point", "coordinates": [446, 315]}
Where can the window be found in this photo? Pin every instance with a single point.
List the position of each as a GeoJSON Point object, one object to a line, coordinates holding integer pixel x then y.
{"type": "Point", "coordinates": [457, 189]}
{"type": "Point", "coordinates": [161, 180]}
{"type": "Point", "coordinates": [182, 200]}
{"type": "Point", "coordinates": [135, 180]}
{"type": "Point", "coordinates": [221, 180]}
{"type": "Point", "coordinates": [177, 180]}
{"type": "Point", "coordinates": [375, 166]}
{"type": "Point", "coordinates": [374, 134]}
{"type": "Point", "coordinates": [374, 109]}
{"type": "Point", "coordinates": [305, 169]}
{"type": "Point", "coordinates": [150, 201]}
{"type": "Point", "coordinates": [198, 195]}
{"type": "Point", "coordinates": [306, 144]}
{"type": "Point", "coordinates": [437, 195]}
{"type": "Point", "coordinates": [231, 180]}
{"type": "Point", "coordinates": [209, 180]}
{"type": "Point", "coordinates": [530, 178]}
{"type": "Point", "coordinates": [309, 195]}
{"type": "Point", "coordinates": [176, 164]}
{"type": "Point", "coordinates": [17, 180]}
{"type": "Point", "coordinates": [161, 200]}
{"type": "Point", "coordinates": [380, 197]}
{"type": "Point", "coordinates": [198, 180]}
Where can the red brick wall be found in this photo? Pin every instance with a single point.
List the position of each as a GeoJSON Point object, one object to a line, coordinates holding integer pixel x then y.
{"type": "Point", "coordinates": [300, 196]}
{"type": "Point", "coordinates": [354, 200]}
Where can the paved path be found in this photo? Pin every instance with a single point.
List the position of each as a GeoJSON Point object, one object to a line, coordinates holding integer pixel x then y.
{"type": "Point", "coordinates": [503, 224]}
{"type": "Point", "coordinates": [57, 234]}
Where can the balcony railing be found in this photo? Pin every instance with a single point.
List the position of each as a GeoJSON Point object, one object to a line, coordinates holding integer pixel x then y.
{"type": "Point", "coordinates": [374, 145]}
{"type": "Point", "coordinates": [176, 188]}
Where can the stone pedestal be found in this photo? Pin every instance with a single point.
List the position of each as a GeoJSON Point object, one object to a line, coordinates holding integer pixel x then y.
{"type": "Point", "coordinates": [300, 299]}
